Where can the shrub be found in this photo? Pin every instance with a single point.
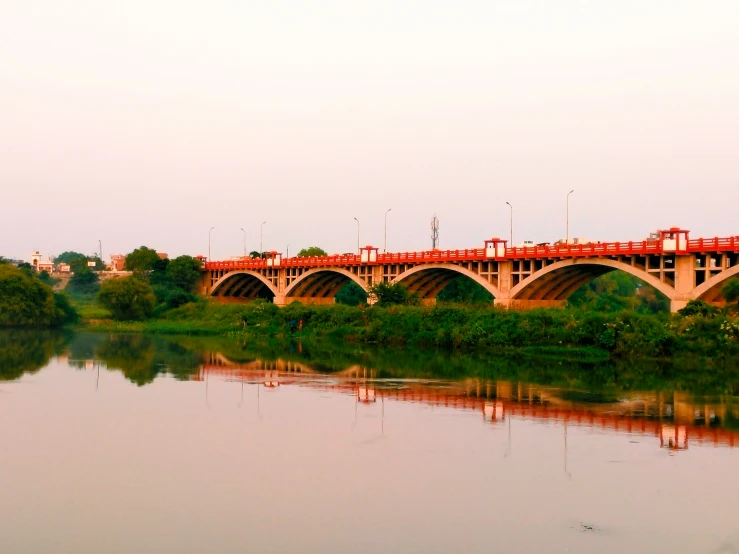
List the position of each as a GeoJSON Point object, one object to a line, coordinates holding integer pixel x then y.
{"type": "Point", "coordinates": [127, 298]}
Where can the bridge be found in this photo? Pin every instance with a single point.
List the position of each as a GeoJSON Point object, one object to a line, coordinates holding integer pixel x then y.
{"type": "Point", "coordinates": [679, 267]}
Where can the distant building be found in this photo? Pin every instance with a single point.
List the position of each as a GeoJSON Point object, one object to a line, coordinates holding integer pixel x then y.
{"type": "Point", "coordinates": [162, 255]}
{"type": "Point", "coordinates": [117, 262]}
{"type": "Point", "coordinates": [63, 268]}
{"type": "Point", "coordinates": [41, 265]}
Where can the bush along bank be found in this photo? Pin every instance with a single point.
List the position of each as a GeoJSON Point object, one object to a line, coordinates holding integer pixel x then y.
{"type": "Point", "coordinates": [619, 334]}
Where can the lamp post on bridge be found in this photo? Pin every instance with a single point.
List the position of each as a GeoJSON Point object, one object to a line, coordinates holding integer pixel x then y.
{"type": "Point", "coordinates": [567, 218]}
{"type": "Point", "coordinates": [386, 212]}
{"type": "Point", "coordinates": [242, 230]}
{"type": "Point", "coordinates": [355, 219]}
{"type": "Point", "coordinates": [511, 236]}
{"type": "Point", "coordinates": [261, 232]}
{"type": "Point", "coordinates": [211, 229]}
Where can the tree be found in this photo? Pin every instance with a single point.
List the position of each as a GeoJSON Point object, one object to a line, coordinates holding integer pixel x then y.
{"type": "Point", "coordinates": [464, 290]}
{"type": "Point", "coordinates": [617, 291]}
{"type": "Point", "coordinates": [84, 281]}
{"type": "Point", "coordinates": [312, 251]}
{"type": "Point", "coordinates": [77, 261]}
{"type": "Point", "coordinates": [127, 298]}
{"type": "Point", "coordinates": [254, 254]}
{"type": "Point", "coordinates": [26, 302]}
{"type": "Point", "coordinates": [388, 294]}
{"type": "Point", "coordinates": [184, 272]}
{"type": "Point", "coordinates": [142, 259]}
{"type": "Point", "coordinates": [730, 291]}
{"type": "Point", "coordinates": [351, 294]}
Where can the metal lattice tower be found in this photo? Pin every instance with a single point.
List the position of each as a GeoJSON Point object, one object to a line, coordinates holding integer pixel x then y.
{"type": "Point", "coordinates": [434, 232]}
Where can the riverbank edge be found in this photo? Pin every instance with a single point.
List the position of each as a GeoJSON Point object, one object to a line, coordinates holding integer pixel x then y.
{"type": "Point", "coordinates": [553, 333]}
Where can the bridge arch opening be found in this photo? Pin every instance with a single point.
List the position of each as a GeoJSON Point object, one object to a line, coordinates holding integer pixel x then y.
{"type": "Point", "coordinates": [711, 290]}
{"type": "Point", "coordinates": [430, 281]}
{"type": "Point", "coordinates": [243, 286]}
{"type": "Point", "coordinates": [323, 285]}
{"type": "Point", "coordinates": [599, 284]}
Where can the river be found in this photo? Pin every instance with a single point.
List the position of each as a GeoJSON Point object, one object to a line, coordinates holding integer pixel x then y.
{"type": "Point", "coordinates": [128, 443]}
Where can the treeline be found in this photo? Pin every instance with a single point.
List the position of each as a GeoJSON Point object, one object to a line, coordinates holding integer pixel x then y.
{"type": "Point", "coordinates": [156, 285]}
{"type": "Point", "coordinates": [27, 301]}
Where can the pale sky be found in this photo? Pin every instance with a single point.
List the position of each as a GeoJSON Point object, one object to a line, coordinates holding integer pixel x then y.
{"type": "Point", "coordinates": [148, 122]}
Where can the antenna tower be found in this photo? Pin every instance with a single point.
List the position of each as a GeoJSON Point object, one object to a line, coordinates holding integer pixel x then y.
{"type": "Point", "coordinates": [434, 232]}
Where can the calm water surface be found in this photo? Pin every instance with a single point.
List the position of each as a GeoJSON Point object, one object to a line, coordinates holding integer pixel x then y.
{"type": "Point", "coordinates": [128, 444]}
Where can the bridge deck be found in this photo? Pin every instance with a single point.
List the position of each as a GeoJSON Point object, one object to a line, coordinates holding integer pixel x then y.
{"type": "Point", "coordinates": [560, 251]}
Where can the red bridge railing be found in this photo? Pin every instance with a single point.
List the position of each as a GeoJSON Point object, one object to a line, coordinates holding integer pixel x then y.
{"type": "Point", "coordinates": [589, 250]}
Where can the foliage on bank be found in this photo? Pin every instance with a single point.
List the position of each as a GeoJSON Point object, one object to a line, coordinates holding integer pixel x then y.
{"type": "Point", "coordinates": [621, 334]}
{"type": "Point", "coordinates": [25, 301]}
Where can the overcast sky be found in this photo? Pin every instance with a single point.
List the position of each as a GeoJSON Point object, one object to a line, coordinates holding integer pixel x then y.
{"type": "Point", "coordinates": [150, 121]}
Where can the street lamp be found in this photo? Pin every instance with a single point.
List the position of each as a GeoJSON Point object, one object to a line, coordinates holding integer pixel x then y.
{"type": "Point", "coordinates": [355, 219]}
{"type": "Point", "coordinates": [242, 230]}
{"type": "Point", "coordinates": [567, 235]}
{"type": "Point", "coordinates": [287, 251]}
{"type": "Point", "coordinates": [261, 228]}
{"type": "Point", "coordinates": [511, 207]}
{"type": "Point", "coordinates": [386, 212]}
{"type": "Point", "coordinates": [211, 229]}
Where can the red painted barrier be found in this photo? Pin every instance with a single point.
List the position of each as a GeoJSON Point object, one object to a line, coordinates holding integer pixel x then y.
{"type": "Point", "coordinates": [560, 251]}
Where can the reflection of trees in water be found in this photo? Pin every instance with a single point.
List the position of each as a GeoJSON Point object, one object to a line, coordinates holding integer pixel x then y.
{"type": "Point", "coordinates": [28, 351]}
{"type": "Point", "coordinates": [141, 358]}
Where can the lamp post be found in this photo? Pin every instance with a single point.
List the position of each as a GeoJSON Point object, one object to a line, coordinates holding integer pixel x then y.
{"type": "Point", "coordinates": [567, 218]}
{"type": "Point", "coordinates": [261, 228]}
{"type": "Point", "coordinates": [511, 237]}
{"type": "Point", "coordinates": [386, 212]}
{"type": "Point", "coordinates": [242, 230]}
{"type": "Point", "coordinates": [355, 219]}
{"type": "Point", "coordinates": [287, 251]}
{"type": "Point", "coordinates": [209, 232]}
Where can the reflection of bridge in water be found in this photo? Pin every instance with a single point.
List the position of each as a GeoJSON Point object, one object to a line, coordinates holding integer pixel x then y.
{"type": "Point", "coordinates": [676, 419]}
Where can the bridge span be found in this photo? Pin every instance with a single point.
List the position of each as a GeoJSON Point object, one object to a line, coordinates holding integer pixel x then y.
{"type": "Point", "coordinates": [679, 267]}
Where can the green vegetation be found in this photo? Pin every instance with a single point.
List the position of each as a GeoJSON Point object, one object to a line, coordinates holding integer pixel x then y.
{"type": "Point", "coordinates": [393, 294]}
{"type": "Point", "coordinates": [142, 259]}
{"type": "Point", "coordinates": [351, 294]}
{"type": "Point", "coordinates": [127, 298]}
{"type": "Point", "coordinates": [83, 281]}
{"type": "Point", "coordinates": [312, 251]}
{"type": "Point", "coordinates": [463, 290]}
{"type": "Point", "coordinates": [730, 291]}
{"type": "Point", "coordinates": [25, 301]}
{"type": "Point", "coordinates": [77, 261]}
{"type": "Point", "coordinates": [618, 291]}
{"type": "Point", "coordinates": [545, 332]}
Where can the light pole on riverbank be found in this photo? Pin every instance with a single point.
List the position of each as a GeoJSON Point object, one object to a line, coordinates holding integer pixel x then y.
{"type": "Point", "coordinates": [511, 236]}
{"type": "Point", "coordinates": [567, 218]}
{"type": "Point", "coordinates": [355, 219]}
{"type": "Point", "coordinates": [209, 232]}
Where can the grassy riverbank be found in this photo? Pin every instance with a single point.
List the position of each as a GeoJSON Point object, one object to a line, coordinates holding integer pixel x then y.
{"type": "Point", "coordinates": [590, 335]}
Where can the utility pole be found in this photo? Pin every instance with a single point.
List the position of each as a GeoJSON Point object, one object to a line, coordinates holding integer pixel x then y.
{"type": "Point", "coordinates": [567, 218]}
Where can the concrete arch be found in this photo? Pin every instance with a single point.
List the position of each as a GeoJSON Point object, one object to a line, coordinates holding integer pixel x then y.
{"type": "Point", "coordinates": [444, 274]}
{"type": "Point", "coordinates": [315, 280]}
{"type": "Point", "coordinates": [227, 279]}
{"type": "Point", "coordinates": [707, 289]}
{"type": "Point", "coordinates": [566, 276]}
